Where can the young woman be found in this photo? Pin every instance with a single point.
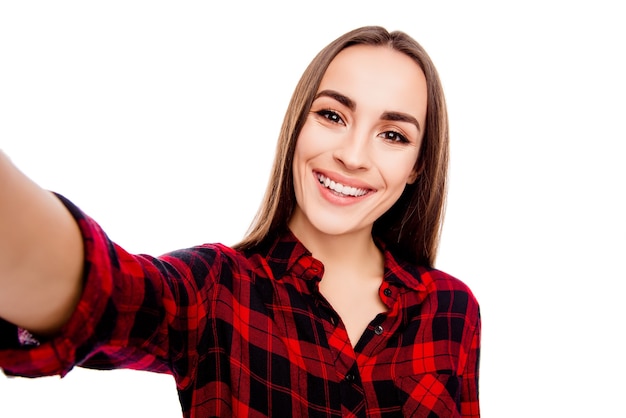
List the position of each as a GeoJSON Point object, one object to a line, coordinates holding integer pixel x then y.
{"type": "Point", "coordinates": [329, 307]}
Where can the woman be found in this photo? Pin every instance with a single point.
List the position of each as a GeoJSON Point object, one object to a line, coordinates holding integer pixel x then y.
{"type": "Point", "coordinates": [329, 307]}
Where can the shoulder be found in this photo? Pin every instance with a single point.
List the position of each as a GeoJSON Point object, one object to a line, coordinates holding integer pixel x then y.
{"type": "Point", "coordinates": [209, 256]}
{"type": "Point", "coordinates": [425, 280]}
{"type": "Point", "coordinates": [212, 267]}
{"type": "Point", "coordinates": [449, 293]}
{"type": "Point", "coordinates": [432, 290]}
{"type": "Point", "coordinates": [440, 280]}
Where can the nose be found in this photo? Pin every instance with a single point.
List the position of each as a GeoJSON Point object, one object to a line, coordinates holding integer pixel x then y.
{"type": "Point", "coordinates": [353, 151]}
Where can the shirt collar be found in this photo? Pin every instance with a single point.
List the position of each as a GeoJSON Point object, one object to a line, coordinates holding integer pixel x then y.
{"type": "Point", "coordinates": [286, 254]}
{"type": "Point", "coordinates": [399, 272]}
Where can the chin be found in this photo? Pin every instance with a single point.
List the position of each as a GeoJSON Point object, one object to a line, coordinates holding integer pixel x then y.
{"type": "Point", "coordinates": [336, 226]}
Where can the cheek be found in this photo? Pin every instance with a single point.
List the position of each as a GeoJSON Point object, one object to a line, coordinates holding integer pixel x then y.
{"type": "Point", "coordinates": [303, 152]}
{"type": "Point", "coordinates": [310, 143]}
{"type": "Point", "coordinates": [399, 171]}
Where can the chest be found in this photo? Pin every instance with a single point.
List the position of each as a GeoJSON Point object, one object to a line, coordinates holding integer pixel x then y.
{"type": "Point", "coordinates": [288, 348]}
{"type": "Point", "coordinates": [356, 302]}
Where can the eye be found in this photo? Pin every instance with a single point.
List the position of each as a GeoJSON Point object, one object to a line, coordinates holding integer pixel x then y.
{"type": "Point", "coordinates": [331, 115]}
{"type": "Point", "coordinates": [393, 136]}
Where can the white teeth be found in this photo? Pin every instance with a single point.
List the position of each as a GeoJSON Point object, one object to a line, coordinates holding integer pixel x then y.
{"type": "Point", "coordinates": [340, 188]}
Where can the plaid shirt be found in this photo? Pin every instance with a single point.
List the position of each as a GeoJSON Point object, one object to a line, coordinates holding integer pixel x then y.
{"type": "Point", "coordinates": [249, 334]}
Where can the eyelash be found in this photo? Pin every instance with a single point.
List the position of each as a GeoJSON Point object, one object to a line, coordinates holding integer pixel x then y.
{"type": "Point", "coordinates": [334, 117]}
{"type": "Point", "coordinates": [399, 138]}
{"type": "Point", "coordinates": [330, 114]}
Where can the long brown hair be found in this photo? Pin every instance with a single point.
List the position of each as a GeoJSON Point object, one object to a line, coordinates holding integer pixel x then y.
{"type": "Point", "coordinates": [411, 228]}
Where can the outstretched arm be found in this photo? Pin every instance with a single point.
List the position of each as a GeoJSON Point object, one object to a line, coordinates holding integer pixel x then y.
{"type": "Point", "coordinates": [41, 254]}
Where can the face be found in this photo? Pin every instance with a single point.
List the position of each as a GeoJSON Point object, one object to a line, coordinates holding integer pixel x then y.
{"type": "Point", "coordinates": [359, 145]}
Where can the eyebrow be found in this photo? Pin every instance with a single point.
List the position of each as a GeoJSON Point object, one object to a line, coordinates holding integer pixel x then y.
{"type": "Point", "coordinates": [401, 117]}
{"type": "Point", "coordinates": [343, 99]}
{"type": "Point", "coordinates": [350, 104]}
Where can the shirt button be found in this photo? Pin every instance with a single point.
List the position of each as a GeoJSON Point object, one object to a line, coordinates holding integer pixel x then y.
{"type": "Point", "coordinates": [350, 377]}
{"type": "Point", "coordinates": [387, 292]}
{"type": "Point", "coordinates": [378, 330]}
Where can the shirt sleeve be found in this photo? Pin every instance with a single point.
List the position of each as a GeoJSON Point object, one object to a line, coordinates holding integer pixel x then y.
{"type": "Point", "coordinates": [136, 312]}
{"type": "Point", "coordinates": [470, 407]}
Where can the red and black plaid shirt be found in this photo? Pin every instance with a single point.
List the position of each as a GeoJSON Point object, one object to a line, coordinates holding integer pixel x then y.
{"type": "Point", "coordinates": [249, 334]}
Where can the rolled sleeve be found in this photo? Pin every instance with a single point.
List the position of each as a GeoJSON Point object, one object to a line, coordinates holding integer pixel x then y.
{"type": "Point", "coordinates": [117, 320]}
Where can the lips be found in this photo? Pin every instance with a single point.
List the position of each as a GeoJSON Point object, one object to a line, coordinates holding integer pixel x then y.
{"type": "Point", "coordinates": [340, 188]}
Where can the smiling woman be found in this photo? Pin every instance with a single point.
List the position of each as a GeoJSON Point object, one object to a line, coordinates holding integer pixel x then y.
{"type": "Point", "coordinates": [330, 306]}
{"type": "Point", "coordinates": [350, 139]}
{"type": "Point", "coordinates": [352, 162]}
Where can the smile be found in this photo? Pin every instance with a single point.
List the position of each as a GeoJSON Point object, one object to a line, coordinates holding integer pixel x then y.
{"type": "Point", "coordinates": [340, 188]}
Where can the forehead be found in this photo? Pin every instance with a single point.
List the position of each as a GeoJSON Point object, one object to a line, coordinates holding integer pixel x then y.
{"type": "Point", "coordinates": [378, 75]}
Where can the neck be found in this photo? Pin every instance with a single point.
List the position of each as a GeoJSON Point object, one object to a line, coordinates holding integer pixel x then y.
{"type": "Point", "coordinates": [354, 251]}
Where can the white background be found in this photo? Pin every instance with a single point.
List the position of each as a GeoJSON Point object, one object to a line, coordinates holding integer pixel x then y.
{"type": "Point", "coordinates": [159, 119]}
